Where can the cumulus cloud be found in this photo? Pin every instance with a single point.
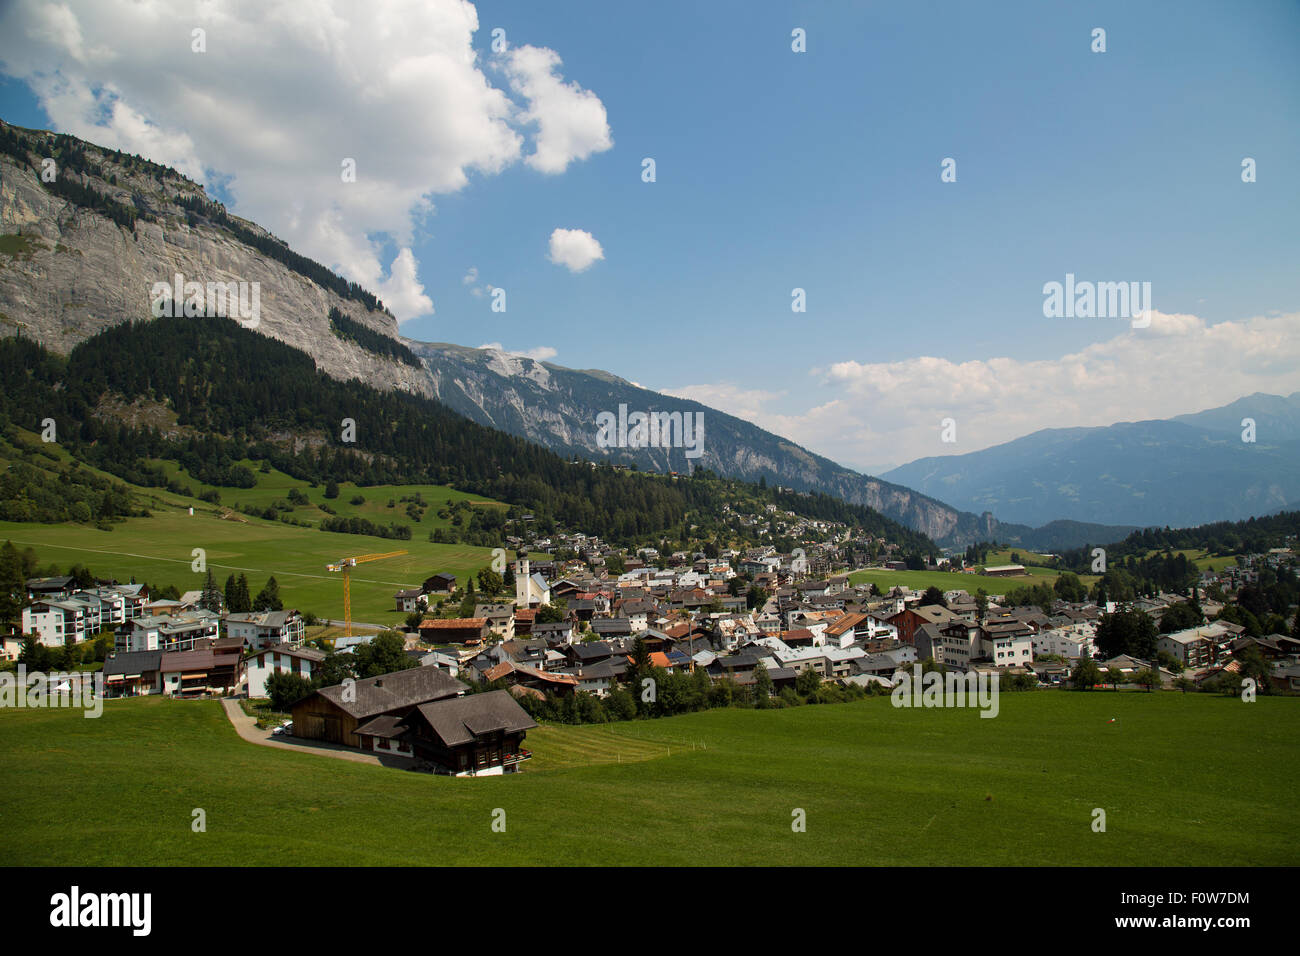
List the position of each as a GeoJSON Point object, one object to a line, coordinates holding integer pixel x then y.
{"type": "Point", "coordinates": [286, 92]}
{"type": "Point", "coordinates": [542, 353]}
{"type": "Point", "coordinates": [575, 249]}
{"type": "Point", "coordinates": [402, 291]}
{"type": "Point", "coordinates": [571, 122]}
{"type": "Point", "coordinates": [891, 411]}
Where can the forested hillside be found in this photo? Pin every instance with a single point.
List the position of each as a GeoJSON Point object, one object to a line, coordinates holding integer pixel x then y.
{"type": "Point", "coordinates": [236, 395]}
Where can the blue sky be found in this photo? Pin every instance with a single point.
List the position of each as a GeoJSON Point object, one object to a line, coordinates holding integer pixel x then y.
{"type": "Point", "coordinates": [820, 170]}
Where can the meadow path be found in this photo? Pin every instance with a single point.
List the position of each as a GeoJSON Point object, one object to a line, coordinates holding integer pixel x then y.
{"type": "Point", "coordinates": [247, 728]}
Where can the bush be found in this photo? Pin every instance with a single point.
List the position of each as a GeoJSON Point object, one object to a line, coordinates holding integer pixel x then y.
{"type": "Point", "coordinates": [285, 690]}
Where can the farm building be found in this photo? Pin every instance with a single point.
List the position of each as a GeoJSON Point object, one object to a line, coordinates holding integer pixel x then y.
{"type": "Point", "coordinates": [479, 734]}
{"type": "Point", "coordinates": [334, 713]}
{"type": "Point", "coordinates": [1005, 571]}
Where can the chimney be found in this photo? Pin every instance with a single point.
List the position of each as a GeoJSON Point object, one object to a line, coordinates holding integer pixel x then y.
{"type": "Point", "coordinates": [379, 682]}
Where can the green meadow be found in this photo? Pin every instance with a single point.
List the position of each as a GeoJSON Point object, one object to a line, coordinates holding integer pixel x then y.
{"type": "Point", "coordinates": [1183, 780]}
{"type": "Point", "coordinates": [950, 580]}
{"type": "Point", "coordinates": [275, 485]}
{"type": "Point", "coordinates": [159, 549]}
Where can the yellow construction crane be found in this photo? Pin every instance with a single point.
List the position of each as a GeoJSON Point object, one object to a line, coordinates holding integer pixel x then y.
{"type": "Point", "coordinates": [346, 565]}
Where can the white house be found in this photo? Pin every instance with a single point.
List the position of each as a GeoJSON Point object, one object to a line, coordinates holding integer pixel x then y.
{"type": "Point", "coordinates": [1008, 650]}
{"type": "Point", "coordinates": [279, 658]}
{"type": "Point", "coordinates": [260, 629]}
{"type": "Point", "coordinates": [53, 622]}
{"type": "Point", "coordinates": [168, 632]}
{"type": "Point", "coordinates": [1069, 642]}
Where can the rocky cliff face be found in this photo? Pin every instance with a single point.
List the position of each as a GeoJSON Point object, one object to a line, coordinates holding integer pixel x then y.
{"type": "Point", "coordinates": [68, 271]}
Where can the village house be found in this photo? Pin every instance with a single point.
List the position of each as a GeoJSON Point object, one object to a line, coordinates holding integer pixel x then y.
{"type": "Point", "coordinates": [198, 672]}
{"type": "Point", "coordinates": [440, 583]}
{"type": "Point", "coordinates": [475, 735]}
{"type": "Point", "coordinates": [908, 620]}
{"type": "Point", "coordinates": [1194, 647]}
{"type": "Point", "coordinates": [1008, 644]}
{"type": "Point", "coordinates": [335, 713]}
{"type": "Point", "coordinates": [411, 601]}
{"type": "Point", "coordinates": [500, 618]}
{"type": "Point", "coordinates": [454, 630]}
{"type": "Point", "coordinates": [279, 659]}
{"type": "Point", "coordinates": [514, 674]}
{"type": "Point", "coordinates": [132, 673]}
{"type": "Point", "coordinates": [259, 629]}
{"type": "Point", "coordinates": [182, 631]}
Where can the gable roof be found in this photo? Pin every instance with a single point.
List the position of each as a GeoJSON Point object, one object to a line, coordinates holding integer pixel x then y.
{"type": "Point", "coordinates": [376, 695]}
{"type": "Point", "coordinates": [132, 663]}
{"type": "Point", "coordinates": [174, 661]}
{"type": "Point", "coordinates": [458, 721]}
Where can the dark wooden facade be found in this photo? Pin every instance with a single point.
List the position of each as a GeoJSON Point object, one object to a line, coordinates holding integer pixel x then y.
{"type": "Point", "coordinates": [318, 718]}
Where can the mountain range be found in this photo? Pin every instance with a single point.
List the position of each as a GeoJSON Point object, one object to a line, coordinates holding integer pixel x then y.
{"type": "Point", "coordinates": [1183, 471]}
{"type": "Point", "coordinates": [83, 254]}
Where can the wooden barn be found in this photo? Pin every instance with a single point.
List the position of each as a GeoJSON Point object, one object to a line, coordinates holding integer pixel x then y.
{"type": "Point", "coordinates": [334, 713]}
{"type": "Point", "coordinates": [474, 735]}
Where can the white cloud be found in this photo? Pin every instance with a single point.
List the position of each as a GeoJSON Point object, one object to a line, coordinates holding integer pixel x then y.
{"type": "Point", "coordinates": [402, 291]}
{"type": "Point", "coordinates": [575, 249]}
{"type": "Point", "coordinates": [571, 122]}
{"type": "Point", "coordinates": [286, 92]}
{"type": "Point", "coordinates": [891, 411]}
{"type": "Point", "coordinates": [542, 353]}
{"type": "Point", "coordinates": [470, 279]}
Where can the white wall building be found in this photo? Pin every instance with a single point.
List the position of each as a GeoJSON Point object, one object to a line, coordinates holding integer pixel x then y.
{"type": "Point", "coordinates": [280, 658]}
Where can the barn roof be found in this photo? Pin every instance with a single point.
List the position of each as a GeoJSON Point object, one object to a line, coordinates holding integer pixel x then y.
{"type": "Point", "coordinates": [458, 721]}
{"type": "Point", "coordinates": [408, 688]}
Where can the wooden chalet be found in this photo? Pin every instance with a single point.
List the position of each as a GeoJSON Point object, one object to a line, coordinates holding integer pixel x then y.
{"type": "Point", "coordinates": [476, 734]}
{"type": "Point", "coordinates": [334, 713]}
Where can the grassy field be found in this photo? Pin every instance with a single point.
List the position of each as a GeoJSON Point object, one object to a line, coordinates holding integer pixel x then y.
{"type": "Point", "coordinates": [159, 550]}
{"type": "Point", "coordinates": [950, 581]}
{"type": "Point", "coordinates": [275, 486]}
{"type": "Point", "coordinates": [1183, 779]}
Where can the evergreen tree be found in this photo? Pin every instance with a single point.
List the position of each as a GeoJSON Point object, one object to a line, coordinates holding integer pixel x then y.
{"type": "Point", "coordinates": [211, 599]}
{"type": "Point", "coordinates": [245, 601]}
{"type": "Point", "coordinates": [762, 685]}
{"type": "Point", "coordinates": [13, 585]}
{"type": "Point", "coordinates": [268, 599]}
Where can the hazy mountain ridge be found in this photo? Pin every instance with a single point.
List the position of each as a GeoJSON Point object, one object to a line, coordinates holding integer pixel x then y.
{"type": "Point", "coordinates": [1185, 471]}
{"type": "Point", "coordinates": [557, 407]}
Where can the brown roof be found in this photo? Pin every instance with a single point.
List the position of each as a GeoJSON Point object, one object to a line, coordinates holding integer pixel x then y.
{"type": "Point", "coordinates": [454, 623]}
{"type": "Point", "coordinates": [389, 692]}
{"type": "Point", "coordinates": [385, 725]}
{"type": "Point", "coordinates": [842, 624]}
{"type": "Point", "coordinates": [458, 721]}
{"type": "Point", "coordinates": [173, 661]}
{"type": "Point", "coordinates": [306, 653]}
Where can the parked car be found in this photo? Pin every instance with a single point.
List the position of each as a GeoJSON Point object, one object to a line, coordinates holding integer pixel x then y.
{"type": "Point", "coordinates": [285, 728]}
